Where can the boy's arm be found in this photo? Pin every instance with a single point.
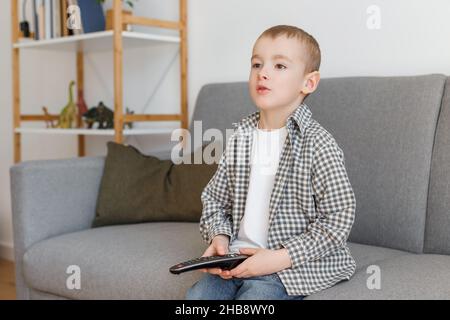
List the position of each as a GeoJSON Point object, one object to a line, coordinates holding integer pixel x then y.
{"type": "Point", "coordinates": [335, 204]}
{"type": "Point", "coordinates": [216, 214]}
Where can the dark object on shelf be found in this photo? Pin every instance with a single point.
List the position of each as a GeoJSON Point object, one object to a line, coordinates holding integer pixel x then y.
{"type": "Point", "coordinates": [25, 28]}
{"type": "Point", "coordinates": [104, 116]}
{"type": "Point", "coordinates": [129, 124]}
{"type": "Point", "coordinates": [101, 114]}
{"type": "Point", "coordinates": [24, 25]}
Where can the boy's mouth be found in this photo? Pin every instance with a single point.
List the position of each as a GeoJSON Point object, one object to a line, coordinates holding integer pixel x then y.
{"type": "Point", "coordinates": [262, 89]}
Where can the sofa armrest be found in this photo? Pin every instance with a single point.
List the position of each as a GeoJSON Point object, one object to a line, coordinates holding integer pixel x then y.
{"type": "Point", "coordinates": [49, 198]}
{"type": "Point", "coordinates": [52, 197]}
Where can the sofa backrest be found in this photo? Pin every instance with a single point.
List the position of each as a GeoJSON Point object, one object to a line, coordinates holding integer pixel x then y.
{"type": "Point", "coordinates": [386, 128]}
{"type": "Point", "coordinates": [219, 105]}
{"type": "Point", "coordinates": [437, 231]}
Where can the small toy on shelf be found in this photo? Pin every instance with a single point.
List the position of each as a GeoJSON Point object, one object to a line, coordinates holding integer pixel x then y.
{"type": "Point", "coordinates": [68, 114]}
{"type": "Point", "coordinates": [81, 104]}
{"type": "Point", "coordinates": [129, 124]}
{"type": "Point", "coordinates": [104, 116]}
{"type": "Point", "coordinates": [48, 119]}
{"type": "Point", "coordinates": [101, 114]}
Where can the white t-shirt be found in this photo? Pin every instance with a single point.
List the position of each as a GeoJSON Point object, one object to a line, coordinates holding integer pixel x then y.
{"type": "Point", "coordinates": [265, 157]}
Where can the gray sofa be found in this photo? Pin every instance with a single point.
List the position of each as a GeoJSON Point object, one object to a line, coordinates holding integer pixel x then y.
{"type": "Point", "coordinates": [395, 133]}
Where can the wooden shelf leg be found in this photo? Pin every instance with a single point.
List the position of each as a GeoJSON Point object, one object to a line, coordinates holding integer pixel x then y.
{"type": "Point", "coordinates": [118, 71]}
{"type": "Point", "coordinates": [80, 88]}
{"type": "Point", "coordinates": [15, 80]}
{"type": "Point", "coordinates": [183, 65]}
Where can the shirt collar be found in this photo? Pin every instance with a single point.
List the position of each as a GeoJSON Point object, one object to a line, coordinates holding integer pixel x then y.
{"type": "Point", "coordinates": [299, 118]}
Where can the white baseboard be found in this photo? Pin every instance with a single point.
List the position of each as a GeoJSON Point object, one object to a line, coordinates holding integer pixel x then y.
{"type": "Point", "coordinates": [6, 251]}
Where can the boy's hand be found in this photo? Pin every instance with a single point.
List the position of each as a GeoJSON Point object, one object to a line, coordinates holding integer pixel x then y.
{"type": "Point", "coordinates": [261, 262]}
{"type": "Point", "coordinates": [218, 247]}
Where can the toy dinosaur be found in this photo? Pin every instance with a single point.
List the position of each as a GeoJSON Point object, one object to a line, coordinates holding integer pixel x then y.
{"type": "Point", "coordinates": [81, 104]}
{"type": "Point", "coordinates": [104, 116]}
{"type": "Point", "coordinates": [69, 112]}
{"type": "Point", "coordinates": [101, 114]}
{"type": "Point", "coordinates": [48, 119]}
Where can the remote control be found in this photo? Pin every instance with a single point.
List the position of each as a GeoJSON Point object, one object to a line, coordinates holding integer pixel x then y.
{"type": "Point", "coordinates": [225, 262]}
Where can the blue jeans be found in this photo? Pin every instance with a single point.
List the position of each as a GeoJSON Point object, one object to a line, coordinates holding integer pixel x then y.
{"type": "Point", "coordinates": [213, 287]}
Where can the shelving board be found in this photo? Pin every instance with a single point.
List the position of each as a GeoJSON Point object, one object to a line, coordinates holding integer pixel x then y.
{"type": "Point", "coordinates": [94, 132]}
{"type": "Point", "coordinates": [97, 41]}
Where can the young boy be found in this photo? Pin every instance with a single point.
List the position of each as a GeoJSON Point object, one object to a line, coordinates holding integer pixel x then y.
{"type": "Point", "coordinates": [281, 193]}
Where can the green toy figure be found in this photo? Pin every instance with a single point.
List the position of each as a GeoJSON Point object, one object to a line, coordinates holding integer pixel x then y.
{"type": "Point", "coordinates": [68, 114]}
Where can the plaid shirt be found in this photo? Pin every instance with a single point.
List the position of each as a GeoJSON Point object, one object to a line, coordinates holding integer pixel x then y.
{"type": "Point", "coordinates": [312, 205]}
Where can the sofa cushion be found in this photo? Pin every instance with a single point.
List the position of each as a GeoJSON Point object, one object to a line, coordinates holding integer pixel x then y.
{"type": "Point", "coordinates": [117, 262]}
{"type": "Point", "coordinates": [39, 295]}
{"type": "Point", "coordinates": [142, 188]}
{"type": "Point", "coordinates": [366, 255]}
{"type": "Point", "coordinates": [406, 277]}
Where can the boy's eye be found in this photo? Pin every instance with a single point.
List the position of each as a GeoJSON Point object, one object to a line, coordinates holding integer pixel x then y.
{"type": "Point", "coordinates": [278, 66]}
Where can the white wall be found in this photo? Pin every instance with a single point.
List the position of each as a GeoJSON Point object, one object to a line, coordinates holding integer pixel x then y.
{"type": "Point", "coordinates": [413, 39]}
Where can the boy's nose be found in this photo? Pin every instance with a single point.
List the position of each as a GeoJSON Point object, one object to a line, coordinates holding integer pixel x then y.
{"type": "Point", "coordinates": [263, 76]}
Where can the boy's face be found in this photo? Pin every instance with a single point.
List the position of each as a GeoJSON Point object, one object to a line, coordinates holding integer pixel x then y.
{"type": "Point", "coordinates": [283, 76]}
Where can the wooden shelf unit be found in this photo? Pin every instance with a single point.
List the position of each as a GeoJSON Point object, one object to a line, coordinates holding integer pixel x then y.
{"type": "Point", "coordinates": [115, 40]}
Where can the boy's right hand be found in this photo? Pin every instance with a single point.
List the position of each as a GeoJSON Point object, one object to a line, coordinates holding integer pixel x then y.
{"type": "Point", "coordinates": [218, 247]}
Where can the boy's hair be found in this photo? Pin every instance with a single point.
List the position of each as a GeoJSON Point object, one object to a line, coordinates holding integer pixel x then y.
{"type": "Point", "coordinates": [312, 49]}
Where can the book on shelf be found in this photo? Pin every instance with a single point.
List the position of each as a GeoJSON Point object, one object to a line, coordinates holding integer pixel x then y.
{"type": "Point", "coordinates": [35, 21]}
{"type": "Point", "coordinates": [41, 19]}
{"type": "Point", "coordinates": [56, 18]}
{"type": "Point", "coordinates": [63, 18]}
{"type": "Point", "coordinates": [92, 16]}
{"type": "Point", "coordinates": [48, 18]}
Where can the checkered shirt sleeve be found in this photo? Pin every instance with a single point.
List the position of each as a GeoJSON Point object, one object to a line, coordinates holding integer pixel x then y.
{"type": "Point", "coordinates": [335, 203]}
{"type": "Point", "coordinates": [216, 214]}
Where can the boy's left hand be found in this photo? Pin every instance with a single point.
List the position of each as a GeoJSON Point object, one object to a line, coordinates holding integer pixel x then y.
{"type": "Point", "coordinates": [262, 262]}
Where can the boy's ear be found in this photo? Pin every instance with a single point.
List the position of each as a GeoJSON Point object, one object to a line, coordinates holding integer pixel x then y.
{"type": "Point", "coordinates": [311, 82]}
